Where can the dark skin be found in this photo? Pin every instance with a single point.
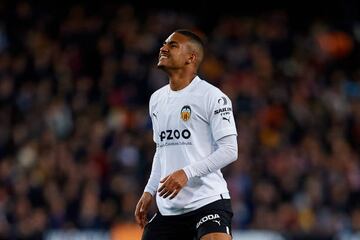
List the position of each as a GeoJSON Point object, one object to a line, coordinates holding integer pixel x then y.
{"type": "Point", "coordinates": [180, 58]}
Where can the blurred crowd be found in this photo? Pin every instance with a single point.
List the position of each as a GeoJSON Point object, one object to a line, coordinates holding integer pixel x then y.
{"type": "Point", "coordinates": [76, 139]}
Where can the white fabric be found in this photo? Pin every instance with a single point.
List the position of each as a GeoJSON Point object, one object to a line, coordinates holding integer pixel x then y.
{"type": "Point", "coordinates": [189, 127]}
{"type": "Point", "coordinates": [154, 179]}
{"type": "Point", "coordinates": [226, 153]}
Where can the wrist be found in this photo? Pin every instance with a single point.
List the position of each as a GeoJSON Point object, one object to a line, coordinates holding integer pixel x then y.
{"type": "Point", "coordinates": [147, 194]}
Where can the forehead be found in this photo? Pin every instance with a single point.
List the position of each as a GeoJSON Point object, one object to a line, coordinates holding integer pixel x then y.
{"type": "Point", "coordinates": [177, 37]}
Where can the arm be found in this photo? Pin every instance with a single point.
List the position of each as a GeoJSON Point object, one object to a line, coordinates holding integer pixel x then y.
{"type": "Point", "coordinates": [146, 199]}
{"type": "Point", "coordinates": [155, 175]}
{"type": "Point", "coordinates": [223, 129]}
{"type": "Point", "coordinates": [226, 153]}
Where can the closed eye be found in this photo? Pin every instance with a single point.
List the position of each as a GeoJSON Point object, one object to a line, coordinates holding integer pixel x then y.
{"type": "Point", "coordinates": [172, 44]}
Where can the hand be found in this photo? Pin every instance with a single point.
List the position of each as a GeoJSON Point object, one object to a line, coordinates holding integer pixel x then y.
{"type": "Point", "coordinates": [172, 184]}
{"type": "Point", "coordinates": [142, 208]}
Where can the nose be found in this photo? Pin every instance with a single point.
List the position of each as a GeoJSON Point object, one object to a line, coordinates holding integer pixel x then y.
{"type": "Point", "coordinates": [164, 48]}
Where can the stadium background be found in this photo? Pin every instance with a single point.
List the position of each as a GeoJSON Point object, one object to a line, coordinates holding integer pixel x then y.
{"type": "Point", "coordinates": [75, 137]}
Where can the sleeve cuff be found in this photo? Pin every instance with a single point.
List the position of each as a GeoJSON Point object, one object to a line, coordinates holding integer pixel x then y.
{"type": "Point", "coordinates": [188, 172]}
{"type": "Point", "coordinates": [150, 190]}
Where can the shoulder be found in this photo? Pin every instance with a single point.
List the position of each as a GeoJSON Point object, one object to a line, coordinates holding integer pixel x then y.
{"type": "Point", "coordinates": [158, 93]}
{"type": "Point", "coordinates": [211, 91]}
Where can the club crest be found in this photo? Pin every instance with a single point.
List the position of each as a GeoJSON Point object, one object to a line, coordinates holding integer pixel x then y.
{"type": "Point", "coordinates": [185, 113]}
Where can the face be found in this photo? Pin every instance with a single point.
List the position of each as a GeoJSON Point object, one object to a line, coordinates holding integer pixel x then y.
{"type": "Point", "coordinates": [175, 53]}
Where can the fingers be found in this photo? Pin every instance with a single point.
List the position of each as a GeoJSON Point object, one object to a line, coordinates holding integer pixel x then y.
{"type": "Point", "coordinates": [164, 185]}
{"type": "Point", "coordinates": [165, 195]}
{"type": "Point", "coordinates": [164, 179]}
{"type": "Point", "coordinates": [175, 193]}
{"type": "Point", "coordinates": [140, 214]}
{"type": "Point", "coordinates": [172, 184]}
{"type": "Point", "coordinates": [161, 189]}
{"type": "Point", "coordinates": [172, 193]}
{"type": "Point", "coordinates": [142, 208]}
{"type": "Point", "coordinates": [143, 224]}
{"type": "Point", "coordinates": [165, 188]}
{"type": "Point", "coordinates": [168, 189]}
{"type": "Point", "coordinates": [143, 221]}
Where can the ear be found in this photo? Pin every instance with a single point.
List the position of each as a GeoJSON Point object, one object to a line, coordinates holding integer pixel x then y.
{"type": "Point", "coordinates": [191, 58]}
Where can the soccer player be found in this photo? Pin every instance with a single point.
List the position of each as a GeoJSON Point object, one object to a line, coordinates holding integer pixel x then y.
{"type": "Point", "coordinates": [195, 136]}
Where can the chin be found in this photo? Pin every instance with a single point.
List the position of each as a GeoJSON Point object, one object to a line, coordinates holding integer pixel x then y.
{"type": "Point", "coordinates": [161, 66]}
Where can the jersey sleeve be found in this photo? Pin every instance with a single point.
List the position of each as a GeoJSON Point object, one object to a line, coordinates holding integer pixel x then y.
{"type": "Point", "coordinates": [153, 118]}
{"type": "Point", "coordinates": [155, 175]}
{"type": "Point", "coordinates": [221, 117]}
{"type": "Point", "coordinates": [226, 153]}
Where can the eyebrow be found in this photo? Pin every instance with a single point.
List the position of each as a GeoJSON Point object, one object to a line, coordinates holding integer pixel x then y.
{"type": "Point", "coordinates": [171, 42]}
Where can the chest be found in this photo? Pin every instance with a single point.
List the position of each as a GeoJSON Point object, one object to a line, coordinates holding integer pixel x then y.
{"type": "Point", "coordinates": [179, 112]}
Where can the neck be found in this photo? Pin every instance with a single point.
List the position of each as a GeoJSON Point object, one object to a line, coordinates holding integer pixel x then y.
{"type": "Point", "coordinates": [180, 81]}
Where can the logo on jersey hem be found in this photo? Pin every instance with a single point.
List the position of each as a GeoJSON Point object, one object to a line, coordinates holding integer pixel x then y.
{"type": "Point", "coordinates": [185, 113]}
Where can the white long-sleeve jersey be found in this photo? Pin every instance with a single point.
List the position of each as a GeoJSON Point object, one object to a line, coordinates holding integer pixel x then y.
{"type": "Point", "coordinates": [194, 130]}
